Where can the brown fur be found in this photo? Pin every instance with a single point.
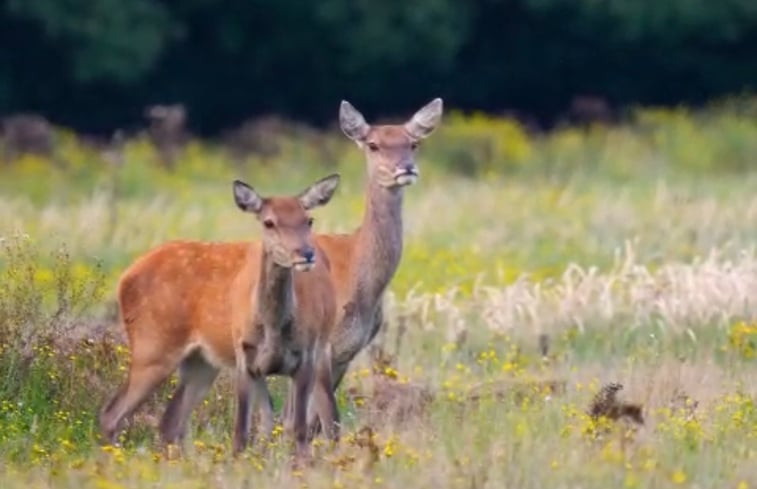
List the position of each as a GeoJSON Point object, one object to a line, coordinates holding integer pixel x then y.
{"type": "Point", "coordinates": [174, 299]}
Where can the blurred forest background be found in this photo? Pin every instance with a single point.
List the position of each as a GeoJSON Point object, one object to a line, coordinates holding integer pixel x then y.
{"type": "Point", "coordinates": [94, 66]}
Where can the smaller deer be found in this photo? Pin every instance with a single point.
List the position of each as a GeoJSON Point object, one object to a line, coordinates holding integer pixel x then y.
{"type": "Point", "coordinates": [281, 325]}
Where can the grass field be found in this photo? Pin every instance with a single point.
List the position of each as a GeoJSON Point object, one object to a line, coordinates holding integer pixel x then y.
{"type": "Point", "coordinates": [630, 250]}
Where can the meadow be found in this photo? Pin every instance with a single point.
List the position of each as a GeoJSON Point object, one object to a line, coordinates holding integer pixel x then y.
{"type": "Point", "coordinates": [538, 268]}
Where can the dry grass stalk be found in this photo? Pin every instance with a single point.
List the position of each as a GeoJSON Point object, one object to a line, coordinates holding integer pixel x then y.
{"type": "Point", "coordinates": [518, 390]}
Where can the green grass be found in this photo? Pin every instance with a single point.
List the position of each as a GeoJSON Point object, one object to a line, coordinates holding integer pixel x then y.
{"type": "Point", "coordinates": [632, 249]}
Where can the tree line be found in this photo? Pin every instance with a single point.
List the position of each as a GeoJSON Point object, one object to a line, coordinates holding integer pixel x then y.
{"type": "Point", "coordinates": [95, 64]}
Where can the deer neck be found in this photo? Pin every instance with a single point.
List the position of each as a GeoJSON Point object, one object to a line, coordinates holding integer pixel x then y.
{"type": "Point", "coordinates": [275, 296]}
{"type": "Point", "coordinates": [379, 246]}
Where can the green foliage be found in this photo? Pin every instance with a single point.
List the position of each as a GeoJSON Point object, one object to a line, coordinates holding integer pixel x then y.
{"type": "Point", "coordinates": [96, 64]}
{"type": "Point", "coordinates": [106, 39]}
{"type": "Point", "coordinates": [41, 300]}
{"type": "Point", "coordinates": [43, 364]}
{"type": "Point", "coordinates": [396, 33]}
{"type": "Point", "coordinates": [641, 20]}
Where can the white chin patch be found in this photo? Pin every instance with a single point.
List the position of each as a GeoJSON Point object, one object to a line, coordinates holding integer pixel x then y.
{"type": "Point", "coordinates": [406, 179]}
{"type": "Point", "coordinates": [304, 266]}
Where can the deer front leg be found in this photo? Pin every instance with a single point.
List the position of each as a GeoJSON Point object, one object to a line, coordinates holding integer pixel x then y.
{"type": "Point", "coordinates": [303, 386]}
{"type": "Point", "coordinates": [314, 419]}
{"type": "Point", "coordinates": [261, 398]}
{"type": "Point", "coordinates": [324, 398]}
{"type": "Point", "coordinates": [287, 412]}
{"type": "Point", "coordinates": [252, 390]}
{"type": "Point", "coordinates": [244, 388]}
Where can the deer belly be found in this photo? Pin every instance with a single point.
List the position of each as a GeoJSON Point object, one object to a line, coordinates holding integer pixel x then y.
{"type": "Point", "coordinates": [217, 350]}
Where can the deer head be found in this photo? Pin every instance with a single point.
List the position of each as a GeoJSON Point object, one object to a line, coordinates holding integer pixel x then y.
{"type": "Point", "coordinates": [390, 149]}
{"type": "Point", "coordinates": [286, 223]}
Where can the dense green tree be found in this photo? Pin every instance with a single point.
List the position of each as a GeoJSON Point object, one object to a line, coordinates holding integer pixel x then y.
{"type": "Point", "coordinates": [111, 40]}
{"type": "Point", "coordinates": [95, 64]}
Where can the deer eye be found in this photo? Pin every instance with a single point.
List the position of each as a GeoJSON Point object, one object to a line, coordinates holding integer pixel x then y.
{"type": "Point", "coordinates": [373, 147]}
{"type": "Point", "coordinates": [414, 145]}
{"type": "Point", "coordinates": [268, 223]}
{"type": "Point", "coordinates": [310, 222]}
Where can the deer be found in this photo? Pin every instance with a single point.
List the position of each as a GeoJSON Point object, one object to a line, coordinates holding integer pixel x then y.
{"type": "Point", "coordinates": [167, 130]}
{"type": "Point", "coordinates": [180, 288]}
{"type": "Point", "coordinates": [26, 133]}
{"type": "Point", "coordinates": [364, 261]}
{"type": "Point", "coordinates": [281, 320]}
{"type": "Point", "coordinates": [199, 307]}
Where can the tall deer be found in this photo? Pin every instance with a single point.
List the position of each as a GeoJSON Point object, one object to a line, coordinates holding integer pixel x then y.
{"type": "Point", "coordinates": [364, 262]}
{"type": "Point", "coordinates": [179, 301]}
{"type": "Point", "coordinates": [281, 321]}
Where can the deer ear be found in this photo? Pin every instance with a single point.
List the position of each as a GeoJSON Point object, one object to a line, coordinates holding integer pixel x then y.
{"type": "Point", "coordinates": [425, 120]}
{"type": "Point", "coordinates": [247, 198]}
{"type": "Point", "coordinates": [320, 192]}
{"type": "Point", "coordinates": [352, 122]}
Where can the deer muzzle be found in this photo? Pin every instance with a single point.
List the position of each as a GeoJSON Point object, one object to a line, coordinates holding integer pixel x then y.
{"type": "Point", "coordinates": [305, 260]}
{"type": "Point", "coordinates": [406, 174]}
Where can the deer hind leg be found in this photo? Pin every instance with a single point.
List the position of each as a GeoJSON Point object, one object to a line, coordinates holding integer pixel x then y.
{"type": "Point", "coordinates": [196, 377]}
{"type": "Point", "coordinates": [143, 379]}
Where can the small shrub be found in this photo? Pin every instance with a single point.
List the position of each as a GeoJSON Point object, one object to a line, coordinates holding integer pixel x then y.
{"type": "Point", "coordinates": [40, 304]}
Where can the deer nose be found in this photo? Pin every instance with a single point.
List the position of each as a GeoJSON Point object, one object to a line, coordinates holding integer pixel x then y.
{"type": "Point", "coordinates": [408, 168]}
{"type": "Point", "coordinates": [308, 254]}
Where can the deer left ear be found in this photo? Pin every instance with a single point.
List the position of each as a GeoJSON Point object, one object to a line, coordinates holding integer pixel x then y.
{"type": "Point", "coordinates": [247, 198]}
{"type": "Point", "coordinates": [320, 192]}
{"type": "Point", "coordinates": [425, 120]}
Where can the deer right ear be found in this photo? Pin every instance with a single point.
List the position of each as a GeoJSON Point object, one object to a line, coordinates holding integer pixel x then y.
{"type": "Point", "coordinates": [246, 197]}
{"type": "Point", "coordinates": [352, 122]}
{"type": "Point", "coordinates": [320, 192]}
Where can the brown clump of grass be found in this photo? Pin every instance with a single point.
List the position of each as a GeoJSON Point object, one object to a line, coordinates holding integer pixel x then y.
{"type": "Point", "coordinates": [361, 448]}
{"type": "Point", "coordinates": [399, 402]}
{"type": "Point", "coordinates": [606, 404]}
{"type": "Point", "coordinates": [389, 398]}
{"type": "Point", "coordinates": [365, 439]}
{"type": "Point", "coordinates": [681, 401]}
